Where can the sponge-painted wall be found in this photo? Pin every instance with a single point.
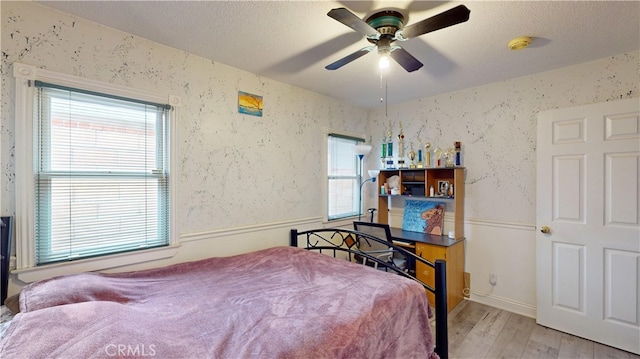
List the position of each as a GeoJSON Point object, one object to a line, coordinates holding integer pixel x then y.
{"type": "Point", "coordinates": [243, 181]}
{"type": "Point", "coordinates": [496, 124]}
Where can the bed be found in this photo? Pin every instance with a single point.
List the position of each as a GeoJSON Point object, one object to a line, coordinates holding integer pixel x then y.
{"type": "Point", "coordinates": [343, 243]}
{"type": "Point", "coordinates": [281, 302]}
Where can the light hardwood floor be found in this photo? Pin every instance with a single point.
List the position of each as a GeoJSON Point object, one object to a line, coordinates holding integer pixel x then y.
{"type": "Point", "coordinates": [480, 331]}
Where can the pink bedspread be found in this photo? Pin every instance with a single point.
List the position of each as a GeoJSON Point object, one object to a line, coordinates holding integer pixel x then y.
{"type": "Point", "coordinates": [281, 302]}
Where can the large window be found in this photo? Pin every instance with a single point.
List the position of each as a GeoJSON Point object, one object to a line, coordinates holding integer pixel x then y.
{"type": "Point", "coordinates": [101, 178]}
{"type": "Point", "coordinates": [343, 183]}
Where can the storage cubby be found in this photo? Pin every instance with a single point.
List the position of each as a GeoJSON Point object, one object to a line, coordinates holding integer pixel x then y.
{"type": "Point", "coordinates": [417, 182]}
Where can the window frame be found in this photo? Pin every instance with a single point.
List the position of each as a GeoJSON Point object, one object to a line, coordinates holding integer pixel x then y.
{"type": "Point", "coordinates": [26, 268]}
{"type": "Point", "coordinates": [359, 139]}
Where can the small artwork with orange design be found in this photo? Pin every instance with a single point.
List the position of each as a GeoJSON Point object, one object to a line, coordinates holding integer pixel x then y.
{"type": "Point", "coordinates": [249, 104]}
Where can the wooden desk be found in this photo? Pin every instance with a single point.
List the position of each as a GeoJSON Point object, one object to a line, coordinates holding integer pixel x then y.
{"type": "Point", "coordinates": [432, 247]}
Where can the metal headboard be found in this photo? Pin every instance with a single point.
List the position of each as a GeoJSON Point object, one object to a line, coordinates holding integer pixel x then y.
{"type": "Point", "coordinates": [341, 242]}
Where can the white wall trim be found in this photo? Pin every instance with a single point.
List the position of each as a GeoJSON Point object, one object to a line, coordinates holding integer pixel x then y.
{"type": "Point", "coordinates": [500, 224]}
{"type": "Point", "coordinates": [198, 236]}
{"type": "Point", "coordinates": [191, 247]}
{"type": "Point", "coordinates": [29, 275]}
{"type": "Point", "coordinates": [507, 304]}
{"type": "Point", "coordinates": [25, 253]}
{"type": "Point", "coordinates": [397, 214]}
{"type": "Point", "coordinates": [29, 72]}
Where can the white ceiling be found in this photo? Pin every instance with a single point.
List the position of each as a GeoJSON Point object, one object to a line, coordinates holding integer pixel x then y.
{"type": "Point", "coordinates": [292, 41]}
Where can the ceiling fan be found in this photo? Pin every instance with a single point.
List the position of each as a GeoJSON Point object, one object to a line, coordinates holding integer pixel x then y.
{"type": "Point", "coordinates": [384, 27]}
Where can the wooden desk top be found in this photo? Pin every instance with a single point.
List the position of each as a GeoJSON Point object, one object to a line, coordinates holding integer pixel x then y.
{"type": "Point", "coordinates": [399, 234]}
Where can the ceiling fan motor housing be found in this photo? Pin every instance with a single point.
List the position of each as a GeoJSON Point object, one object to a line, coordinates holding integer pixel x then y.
{"type": "Point", "coordinates": [386, 22]}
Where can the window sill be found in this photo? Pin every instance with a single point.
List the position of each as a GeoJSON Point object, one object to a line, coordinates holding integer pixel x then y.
{"type": "Point", "coordinates": [29, 275]}
{"type": "Point", "coordinates": [345, 221]}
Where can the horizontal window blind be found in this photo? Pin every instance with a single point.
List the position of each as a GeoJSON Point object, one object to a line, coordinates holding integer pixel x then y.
{"type": "Point", "coordinates": [343, 184]}
{"type": "Point", "coordinates": [101, 168]}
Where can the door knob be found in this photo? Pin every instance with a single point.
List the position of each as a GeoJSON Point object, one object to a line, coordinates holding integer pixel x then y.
{"type": "Point", "coordinates": [545, 229]}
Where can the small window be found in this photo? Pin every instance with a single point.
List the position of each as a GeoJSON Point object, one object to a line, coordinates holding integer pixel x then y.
{"type": "Point", "coordinates": [343, 186]}
{"type": "Point", "coordinates": [101, 174]}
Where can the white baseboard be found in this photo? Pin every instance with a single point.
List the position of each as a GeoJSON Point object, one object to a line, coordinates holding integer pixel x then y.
{"type": "Point", "coordinates": [506, 304]}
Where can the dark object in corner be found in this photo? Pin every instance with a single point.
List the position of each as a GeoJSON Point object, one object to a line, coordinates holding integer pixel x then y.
{"type": "Point", "coordinates": [5, 239]}
{"type": "Point", "coordinates": [13, 304]}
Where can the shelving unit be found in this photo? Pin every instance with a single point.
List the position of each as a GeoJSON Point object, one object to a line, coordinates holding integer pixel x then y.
{"type": "Point", "coordinates": [416, 183]}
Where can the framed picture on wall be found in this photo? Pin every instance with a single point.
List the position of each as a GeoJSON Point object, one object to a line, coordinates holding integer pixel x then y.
{"type": "Point", "coordinates": [249, 104]}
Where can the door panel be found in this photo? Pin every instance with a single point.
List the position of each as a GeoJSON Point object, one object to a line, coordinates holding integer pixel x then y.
{"type": "Point", "coordinates": [621, 291]}
{"type": "Point", "coordinates": [588, 187]}
{"type": "Point", "coordinates": [568, 276]}
{"type": "Point", "coordinates": [621, 189]}
{"type": "Point", "coordinates": [568, 188]}
{"type": "Point", "coordinates": [622, 126]}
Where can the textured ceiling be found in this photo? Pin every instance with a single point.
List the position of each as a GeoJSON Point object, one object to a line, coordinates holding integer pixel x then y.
{"type": "Point", "coordinates": [292, 41]}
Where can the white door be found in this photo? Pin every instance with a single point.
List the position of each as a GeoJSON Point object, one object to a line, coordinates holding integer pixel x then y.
{"type": "Point", "coordinates": [588, 185]}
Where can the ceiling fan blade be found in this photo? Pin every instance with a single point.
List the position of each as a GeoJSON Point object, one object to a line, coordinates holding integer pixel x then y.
{"type": "Point", "coordinates": [448, 18]}
{"type": "Point", "coordinates": [405, 59]}
{"type": "Point", "coordinates": [347, 59]}
{"type": "Point", "coordinates": [348, 18]}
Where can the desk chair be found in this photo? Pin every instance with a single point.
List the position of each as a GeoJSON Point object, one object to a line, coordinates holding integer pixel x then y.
{"type": "Point", "coordinates": [377, 249]}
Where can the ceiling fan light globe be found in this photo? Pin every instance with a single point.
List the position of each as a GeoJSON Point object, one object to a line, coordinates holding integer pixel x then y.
{"type": "Point", "coordinates": [384, 62]}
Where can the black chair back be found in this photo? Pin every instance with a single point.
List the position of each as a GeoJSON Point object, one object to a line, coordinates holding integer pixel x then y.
{"type": "Point", "coordinates": [378, 230]}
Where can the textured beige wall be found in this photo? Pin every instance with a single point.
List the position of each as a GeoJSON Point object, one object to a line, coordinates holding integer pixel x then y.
{"type": "Point", "coordinates": [244, 177]}
{"type": "Point", "coordinates": [496, 124]}
{"type": "Point", "coordinates": [234, 170]}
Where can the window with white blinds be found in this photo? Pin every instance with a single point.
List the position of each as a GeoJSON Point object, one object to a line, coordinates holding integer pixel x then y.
{"type": "Point", "coordinates": [343, 183]}
{"type": "Point", "coordinates": [101, 174]}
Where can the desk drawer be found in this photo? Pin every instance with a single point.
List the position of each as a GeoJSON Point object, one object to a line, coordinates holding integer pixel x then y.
{"type": "Point", "coordinates": [454, 255]}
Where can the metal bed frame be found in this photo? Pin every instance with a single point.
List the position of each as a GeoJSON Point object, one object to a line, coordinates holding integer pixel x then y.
{"type": "Point", "coordinates": [343, 243]}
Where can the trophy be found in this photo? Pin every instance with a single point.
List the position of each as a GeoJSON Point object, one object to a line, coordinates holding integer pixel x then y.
{"type": "Point", "coordinates": [427, 155]}
{"type": "Point", "coordinates": [412, 156]}
{"type": "Point", "coordinates": [389, 161]}
{"type": "Point", "coordinates": [437, 153]}
{"type": "Point", "coordinates": [401, 148]}
{"type": "Point", "coordinates": [449, 157]}
{"type": "Point", "coordinates": [383, 154]}
{"type": "Point", "coordinates": [420, 154]}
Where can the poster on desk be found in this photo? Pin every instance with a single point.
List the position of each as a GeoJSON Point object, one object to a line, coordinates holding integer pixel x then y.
{"type": "Point", "coordinates": [423, 216]}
